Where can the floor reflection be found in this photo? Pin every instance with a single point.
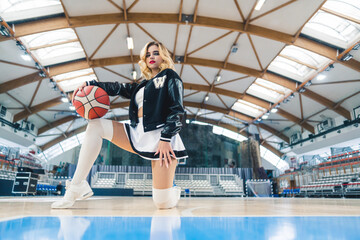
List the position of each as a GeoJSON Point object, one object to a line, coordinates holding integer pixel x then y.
{"type": "Point", "coordinates": [176, 227]}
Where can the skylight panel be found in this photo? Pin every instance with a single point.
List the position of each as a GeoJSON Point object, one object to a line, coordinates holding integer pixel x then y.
{"type": "Point", "coordinates": [332, 29]}
{"type": "Point", "coordinates": [59, 53]}
{"type": "Point", "coordinates": [49, 38]}
{"type": "Point", "coordinates": [55, 46]}
{"type": "Point", "coordinates": [12, 10]}
{"type": "Point", "coordinates": [349, 8]}
{"type": "Point", "coordinates": [248, 108]}
{"type": "Point", "coordinates": [269, 91]}
{"type": "Point", "coordinates": [289, 68]}
{"type": "Point", "coordinates": [69, 81]}
{"type": "Point", "coordinates": [305, 56]}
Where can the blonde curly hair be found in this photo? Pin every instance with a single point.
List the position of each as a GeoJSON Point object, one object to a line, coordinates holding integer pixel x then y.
{"type": "Point", "coordinates": [165, 55]}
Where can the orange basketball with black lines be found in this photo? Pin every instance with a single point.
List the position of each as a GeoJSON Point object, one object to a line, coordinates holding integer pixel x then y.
{"type": "Point", "coordinates": [91, 102]}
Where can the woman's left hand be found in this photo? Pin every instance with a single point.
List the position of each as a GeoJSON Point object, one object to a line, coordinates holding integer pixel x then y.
{"type": "Point", "coordinates": [165, 153]}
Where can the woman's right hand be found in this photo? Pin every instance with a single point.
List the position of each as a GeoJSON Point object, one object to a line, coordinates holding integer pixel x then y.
{"type": "Point", "coordinates": [79, 88]}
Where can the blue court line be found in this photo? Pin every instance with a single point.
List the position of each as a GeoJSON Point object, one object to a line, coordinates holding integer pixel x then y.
{"type": "Point", "coordinates": [162, 228]}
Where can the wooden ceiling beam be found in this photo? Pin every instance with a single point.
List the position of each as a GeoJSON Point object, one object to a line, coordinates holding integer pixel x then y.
{"type": "Point", "coordinates": [38, 26]}
{"type": "Point", "coordinates": [325, 51]}
{"type": "Point", "coordinates": [19, 82]}
{"type": "Point", "coordinates": [274, 132]}
{"type": "Point", "coordinates": [56, 23]}
{"type": "Point", "coordinates": [296, 120]}
{"type": "Point", "coordinates": [207, 63]}
{"type": "Point", "coordinates": [56, 124]}
{"type": "Point", "coordinates": [40, 107]}
{"type": "Point", "coordinates": [327, 103]}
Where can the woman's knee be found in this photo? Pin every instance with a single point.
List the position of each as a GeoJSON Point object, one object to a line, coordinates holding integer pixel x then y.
{"type": "Point", "coordinates": [103, 127]}
{"type": "Point", "coordinates": [166, 198]}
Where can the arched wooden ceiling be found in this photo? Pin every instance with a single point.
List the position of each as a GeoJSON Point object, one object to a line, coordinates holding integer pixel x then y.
{"type": "Point", "coordinates": [245, 26]}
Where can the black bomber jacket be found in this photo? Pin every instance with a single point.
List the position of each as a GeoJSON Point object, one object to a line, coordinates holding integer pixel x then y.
{"type": "Point", "coordinates": [163, 101]}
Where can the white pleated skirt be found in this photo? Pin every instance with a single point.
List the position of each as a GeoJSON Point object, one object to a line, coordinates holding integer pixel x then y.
{"type": "Point", "coordinates": [145, 144]}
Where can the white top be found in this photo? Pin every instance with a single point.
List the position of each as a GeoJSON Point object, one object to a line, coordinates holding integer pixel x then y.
{"type": "Point", "coordinates": [139, 97]}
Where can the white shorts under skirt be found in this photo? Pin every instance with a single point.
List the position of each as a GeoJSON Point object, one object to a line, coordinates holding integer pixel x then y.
{"type": "Point", "coordinates": [146, 143]}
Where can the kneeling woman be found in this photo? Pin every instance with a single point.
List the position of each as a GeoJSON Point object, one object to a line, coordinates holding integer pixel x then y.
{"type": "Point", "coordinates": [155, 108]}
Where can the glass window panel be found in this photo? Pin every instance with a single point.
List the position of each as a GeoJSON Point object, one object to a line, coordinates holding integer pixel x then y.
{"type": "Point", "coordinates": [71, 84]}
{"type": "Point", "coordinates": [73, 74]}
{"type": "Point", "coordinates": [13, 10]}
{"type": "Point", "coordinates": [228, 133]}
{"type": "Point", "coordinates": [53, 151]}
{"type": "Point", "coordinates": [69, 143]}
{"type": "Point", "coordinates": [51, 37]}
{"type": "Point", "coordinates": [268, 90]}
{"type": "Point", "coordinates": [305, 56]}
{"type": "Point", "coordinates": [265, 91]}
{"type": "Point", "coordinates": [81, 137]}
{"type": "Point", "coordinates": [349, 8]}
{"type": "Point", "coordinates": [333, 29]}
{"type": "Point", "coordinates": [290, 69]}
{"type": "Point", "coordinates": [59, 50]}
{"type": "Point", "coordinates": [273, 159]}
{"type": "Point", "coordinates": [248, 108]}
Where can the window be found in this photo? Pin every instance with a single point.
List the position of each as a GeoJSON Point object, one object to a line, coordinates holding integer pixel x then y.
{"type": "Point", "coordinates": [291, 69]}
{"type": "Point", "coordinates": [267, 90]}
{"type": "Point", "coordinates": [273, 159]}
{"type": "Point", "coordinates": [305, 56]}
{"type": "Point", "coordinates": [14, 10]}
{"type": "Point", "coordinates": [248, 108]}
{"type": "Point", "coordinates": [69, 81]}
{"type": "Point", "coordinates": [332, 29]}
{"type": "Point", "coordinates": [69, 143]}
{"type": "Point", "coordinates": [55, 46]}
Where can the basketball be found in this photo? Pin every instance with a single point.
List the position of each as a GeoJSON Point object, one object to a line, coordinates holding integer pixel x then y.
{"type": "Point", "coordinates": [91, 102]}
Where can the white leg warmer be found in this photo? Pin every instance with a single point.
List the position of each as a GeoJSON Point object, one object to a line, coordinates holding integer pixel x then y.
{"type": "Point", "coordinates": [96, 130]}
{"type": "Point", "coordinates": [166, 198]}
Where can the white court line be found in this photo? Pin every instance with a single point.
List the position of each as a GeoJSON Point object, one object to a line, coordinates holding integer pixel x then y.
{"type": "Point", "coordinates": [52, 199]}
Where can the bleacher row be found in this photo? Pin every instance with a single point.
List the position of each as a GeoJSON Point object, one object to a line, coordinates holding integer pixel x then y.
{"type": "Point", "coordinates": [339, 185]}
{"type": "Point", "coordinates": [194, 184]}
{"type": "Point", "coordinates": [352, 156]}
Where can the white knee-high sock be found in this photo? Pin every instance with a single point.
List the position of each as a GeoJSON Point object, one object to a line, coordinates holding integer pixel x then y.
{"type": "Point", "coordinates": [96, 130]}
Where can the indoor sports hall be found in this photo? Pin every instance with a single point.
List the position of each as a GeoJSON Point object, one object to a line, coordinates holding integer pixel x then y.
{"type": "Point", "coordinates": [268, 112]}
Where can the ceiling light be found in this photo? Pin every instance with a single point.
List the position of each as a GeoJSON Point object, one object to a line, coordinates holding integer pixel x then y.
{"type": "Point", "coordinates": [42, 74]}
{"type": "Point", "coordinates": [329, 67]}
{"type": "Point", "coordinates": [4, 31]}
{"type": "Point", "coordinates": [274, 110]}
{"type": "Point", "coordinates": [356, 47]}
{"type": "Point", "coordinates": [301, 90]}
{"type": "Point", "coordinates": [64, 99]}
{"type": "Point", "coordinates": [265, 117]}
{"type": "Point", "coordinates": [218, 78]}
{"type": "Point", "coordinates": [26, 57]}
{"type": "Point", "coordinates": [130, 42]}
{"type": "Point", "coordinates": [234, 48]}
{"type": "Point", "coordinates": [71, 107]}
{"type": "Point", "coordinates": [206, 98]}
{"type": "Point", "coordinates": [347, 57]}
{"type": "Point", "coordinates": [259, 4]}
{"type": "Point", "coordinates": [20, 46]}
{"type": "Point", "coordinates": [133, 74]}
{"type": "Point", "coordinates": [321, 77]}
{"type": "Point", "coordinates": [307, 84]}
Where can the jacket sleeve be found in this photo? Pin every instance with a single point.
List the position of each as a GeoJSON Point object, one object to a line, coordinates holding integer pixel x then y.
{"type": "Point", "coordinates": [114, 88]}
{"type": "Point", "coordinates": [173, 123]}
